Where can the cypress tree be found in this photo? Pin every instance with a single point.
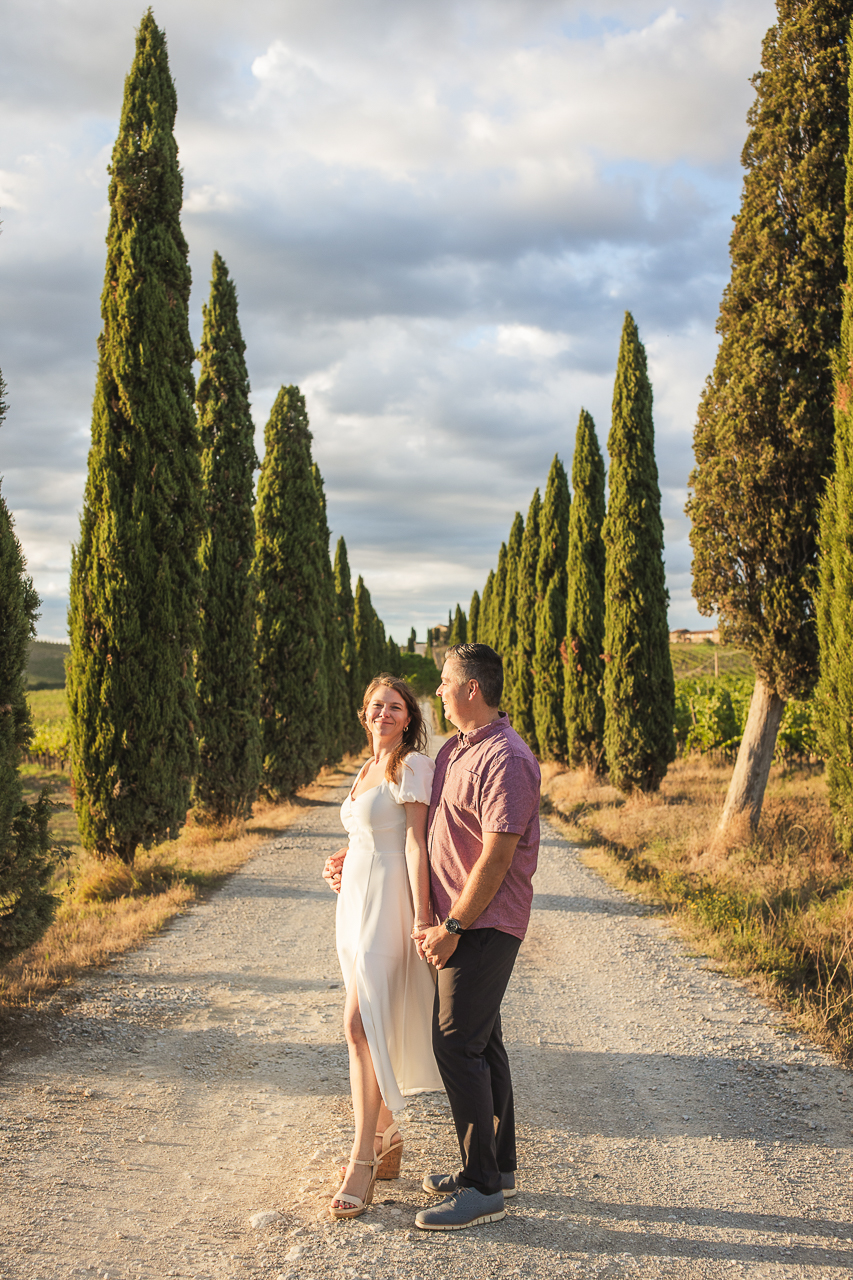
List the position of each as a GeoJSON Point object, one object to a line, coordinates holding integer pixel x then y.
{"type": "Point", "coordinates": [509, 622]}
{"type": "Point", "coordinates": [335, 731]}
{"type": "Point", "coordinates": [412, 641]}
{"type": "Point", "coordinates": [459, 630]}
{"type": "Point", "coordinates": [484, 625]}
{"type": "Point", "coordinates": [368, 661]}
{"type": "Point", "coordinates": [226, 683]}
{"type": "Point", "coordinates": [523, 718]}
{"type": "Point", "coordinates": [393, 664]}
{"type": "Point", "coordinates": [639, 690]}
{"type": "Point", "coordinates": [584, 670]}
{"type": "Point", "coordinates": [474, 618]}
{"type": "Point", "coordinates": [134, 575]}
{"type": "Point", "coordinates": [835, 598]}
{"type": "Point", "coordinates": [353, 734]}
{"type": "Point", "coordinates": [549, 686]}
{"type": "Point", "coordinates": [496, 601]}
{"type": "Point", "coordinates": [764, 431]}
{"type": "Point", "coordinates": [290, 637]}
{"type": "Point", "coordinates": [26, 904]}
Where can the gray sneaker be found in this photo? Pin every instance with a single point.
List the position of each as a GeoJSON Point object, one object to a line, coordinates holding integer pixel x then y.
{"type": "Point", "coordinates": [467, 1207]}
{"type": "Point", "coordinates": [444, 1184]}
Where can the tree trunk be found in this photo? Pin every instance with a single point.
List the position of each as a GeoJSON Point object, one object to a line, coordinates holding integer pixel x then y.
{"type": "Point", "coordinates": [752, 767]}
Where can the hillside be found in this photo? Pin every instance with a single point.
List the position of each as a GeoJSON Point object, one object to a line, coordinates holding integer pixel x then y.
{"type": "Point", "coordinates": [46, 665]}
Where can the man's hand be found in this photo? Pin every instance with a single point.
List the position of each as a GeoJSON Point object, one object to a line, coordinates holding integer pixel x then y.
{"type": "Point", "coordinates": [437, 945]}
{"type": "Point", "coordinates": [332, 869]}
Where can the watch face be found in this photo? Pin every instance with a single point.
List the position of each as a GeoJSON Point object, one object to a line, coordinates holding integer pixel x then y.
{"type": "Point", "coordinates": [452, 926]}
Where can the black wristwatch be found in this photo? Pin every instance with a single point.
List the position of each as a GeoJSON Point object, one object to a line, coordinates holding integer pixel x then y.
{"type": "Point", "coordinates": [453, 926]}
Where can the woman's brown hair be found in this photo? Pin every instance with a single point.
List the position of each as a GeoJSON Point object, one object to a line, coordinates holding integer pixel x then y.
{"type": "Point", "coordinates": [414, 734]}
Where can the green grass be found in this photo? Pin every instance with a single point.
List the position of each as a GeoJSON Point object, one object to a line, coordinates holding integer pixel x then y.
{"type": "Point", "coordinates": [46, 664]}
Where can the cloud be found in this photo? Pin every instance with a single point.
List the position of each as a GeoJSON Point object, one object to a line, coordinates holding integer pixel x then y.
{"type": "Point", "coordinates": [436, 215]}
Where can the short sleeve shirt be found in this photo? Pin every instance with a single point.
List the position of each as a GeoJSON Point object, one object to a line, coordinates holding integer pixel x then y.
{"type": "Point", "coordinates": [485, 780]}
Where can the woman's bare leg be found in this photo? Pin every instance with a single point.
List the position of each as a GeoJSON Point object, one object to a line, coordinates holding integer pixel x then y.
{"type": "Point", "coordinates": [367, 1103]}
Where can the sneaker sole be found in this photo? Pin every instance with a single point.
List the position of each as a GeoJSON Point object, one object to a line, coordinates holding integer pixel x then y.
{"type": "Point", "coordinates": [431, 1191]}
{"type": "Point", "coordinates": [460, 1226]}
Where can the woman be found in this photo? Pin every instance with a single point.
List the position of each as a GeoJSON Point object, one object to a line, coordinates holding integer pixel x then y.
{"type": "Point", "coordinates": [383, 881]}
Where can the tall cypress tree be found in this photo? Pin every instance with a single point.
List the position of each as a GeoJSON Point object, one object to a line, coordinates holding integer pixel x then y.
{"type": "Point", "coordinates": [26, 904]}
{"type": "Point", "coordinates": [290, 641]}
{"type": "Point", "coordinates": [134, 574]}
{"type": "Point", "coordinates": [835, 598]}
{"type": "Point", "coordinates": [226, 682]}
{"type": "Point", "coordinates": [353, 734]}
{"type": "Point", "coordinates": [484, 625]}
{"type": "Point", "coordinates": [412, 641]}
{"type": "Point", "coordinates": [368, 660]}
{"type": "Point", "coordinates": [474, 618]}
{"type": "Point", "coordinates": [497, 598]}
{"type": "Point", "coordinates": [335, 680]}
{"type": "Point", "coordinates": [584, 671]}
{"type": "Point", "coordinates": [639, 689]}
{"type": "Point", "coordinates": [508, 647]}
{"type": "Point", "coordinates": [549, 686]}
{"type": "Point", "coordinates": [764, 432]}
{"type": "Point", "coordinates": [523, 718]}
{"type": "Point", "coordinates": [393, 663]}
{"type": "Point", "coordinates": [459, 630]}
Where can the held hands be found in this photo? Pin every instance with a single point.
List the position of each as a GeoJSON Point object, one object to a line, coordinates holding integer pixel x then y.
{"type": "Point", "coordinates": [436, 945]}
{"type": "Point", "coordinates": [332, 868]}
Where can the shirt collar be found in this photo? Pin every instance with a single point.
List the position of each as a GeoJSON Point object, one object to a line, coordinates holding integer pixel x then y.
{"type": "Point", "coordinates": [484, 731]}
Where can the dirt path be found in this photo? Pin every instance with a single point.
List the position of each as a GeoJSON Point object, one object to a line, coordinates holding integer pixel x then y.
{"type": "Point", "coordinates": [670, 1125]}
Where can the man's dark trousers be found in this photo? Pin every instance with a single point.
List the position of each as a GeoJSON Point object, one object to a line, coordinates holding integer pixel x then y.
{"type": "Point", "coordinates": [469, 1050]}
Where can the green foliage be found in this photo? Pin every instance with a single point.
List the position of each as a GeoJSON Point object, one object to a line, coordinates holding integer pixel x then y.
{"type": "Point", "coordinates": [422, 674]}
{"type": "Point", "coordinates": [134, 578]}
{"type": "Point", "coordinates": [289, 568]}
{"type": "Point", "coordinates": [474, 619]}
{"type": "Point", "coordinates": [412, 641]}
{"type": "Point", "coordinates": [497, 599]}
{"type": "Point", "coordinates": [549, 686]}
{"type": "Point", "coordinates": [228, 729]}
{"type": "Point", "coordinates": [508, 646]}
{"type": "Point", "coordinates": [706, 658]}
{"type": "Point", "coordinates": [835, 600]}
{"type": "Point", "coordinates": [393, 659]}
{"type": "Point", "coordinates": [46, 664]}
{"type": "Point", "coordinates": [484, 624]}
{"type": "Point", "coordinates": [352, 732]}
{"type": "Point", "coordinates": [525, 612]}
{"type": "Point", "coordinates": [639, 690]}
{"type": "Point", "coordinates": [711, 714]}
{"type": "Point", "coordinates": [459, 629]}
{"type": "Point", "coordinates": [584, 670]}
{"type": "Point", "coordinates": [336, 728]}
{"type": "Point", "coordinates": [26, 859]}
{"type": "Point", "coordinates": [764, 432]}
{"type": "Point", "coordinates": [369, 646]}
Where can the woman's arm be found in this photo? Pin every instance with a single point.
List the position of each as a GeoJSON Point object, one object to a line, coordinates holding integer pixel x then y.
{"type": "Point", "coordinates": [417, 862]}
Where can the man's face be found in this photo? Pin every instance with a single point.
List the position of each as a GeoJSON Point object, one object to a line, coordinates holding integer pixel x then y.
{"type": "Point", "coordinates": [454, 693]}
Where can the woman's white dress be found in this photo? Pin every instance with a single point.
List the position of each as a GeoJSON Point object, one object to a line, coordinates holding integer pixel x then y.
{"type": "Point", "coordinates": [374, 925]}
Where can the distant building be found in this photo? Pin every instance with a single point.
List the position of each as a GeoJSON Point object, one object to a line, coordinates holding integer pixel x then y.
{"type": "Point", "coordinates": [683, 636]}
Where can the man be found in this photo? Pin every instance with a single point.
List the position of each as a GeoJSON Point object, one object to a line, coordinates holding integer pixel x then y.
{"type": "Point", "coordinates": [483, 836]}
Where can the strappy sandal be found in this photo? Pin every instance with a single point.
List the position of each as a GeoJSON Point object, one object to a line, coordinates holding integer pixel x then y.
{"type": "Point", "coordinates": [353, 1207]}
{"type": "Point", "coordinates": [390, 1154]}
{"type": "Point", "coordinates": [388, 1157]}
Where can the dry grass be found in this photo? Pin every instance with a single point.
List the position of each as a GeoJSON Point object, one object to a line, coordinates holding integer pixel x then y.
{"type": "Point", "coordinates": [776, 906]}
{"type": "Point", "coordinates": [107, 908]}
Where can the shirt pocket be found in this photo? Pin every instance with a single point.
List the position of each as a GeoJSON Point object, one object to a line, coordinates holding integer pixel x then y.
{"type": "Point", "coordinates": [466, 791]}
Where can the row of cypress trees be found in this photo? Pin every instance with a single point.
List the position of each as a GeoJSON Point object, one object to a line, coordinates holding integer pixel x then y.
{"type": "Point", "coordinates": [215, 649]}
{"type": "Point", "coordinates": [577, 604]}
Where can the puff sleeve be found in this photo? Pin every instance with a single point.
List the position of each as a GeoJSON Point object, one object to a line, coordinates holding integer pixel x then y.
{"type": "Point", "coordinates": [415, 785]}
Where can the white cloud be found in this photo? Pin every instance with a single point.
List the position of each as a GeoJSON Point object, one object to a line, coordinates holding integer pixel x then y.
{"type": "Point", "coordinates": [435, 214]}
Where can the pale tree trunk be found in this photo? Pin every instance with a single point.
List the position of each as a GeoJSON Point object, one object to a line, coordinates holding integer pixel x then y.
{"type": "Point", "coordinates": [752, 767]}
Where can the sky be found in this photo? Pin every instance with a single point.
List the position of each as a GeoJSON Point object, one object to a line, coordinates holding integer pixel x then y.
{"type": "Point", "coordinates": [436, 214]}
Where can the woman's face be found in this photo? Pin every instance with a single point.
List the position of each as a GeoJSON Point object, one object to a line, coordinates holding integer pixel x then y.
{"type": "Point", "coordinates": [387, 716]}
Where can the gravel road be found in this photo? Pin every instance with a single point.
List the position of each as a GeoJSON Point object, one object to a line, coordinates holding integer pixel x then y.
{"type": "Point", "coordinates": [670, 1124]}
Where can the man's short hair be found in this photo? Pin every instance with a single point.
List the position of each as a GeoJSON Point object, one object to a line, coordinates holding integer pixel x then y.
{"type": "Point", "coordinates": [479, 662]}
